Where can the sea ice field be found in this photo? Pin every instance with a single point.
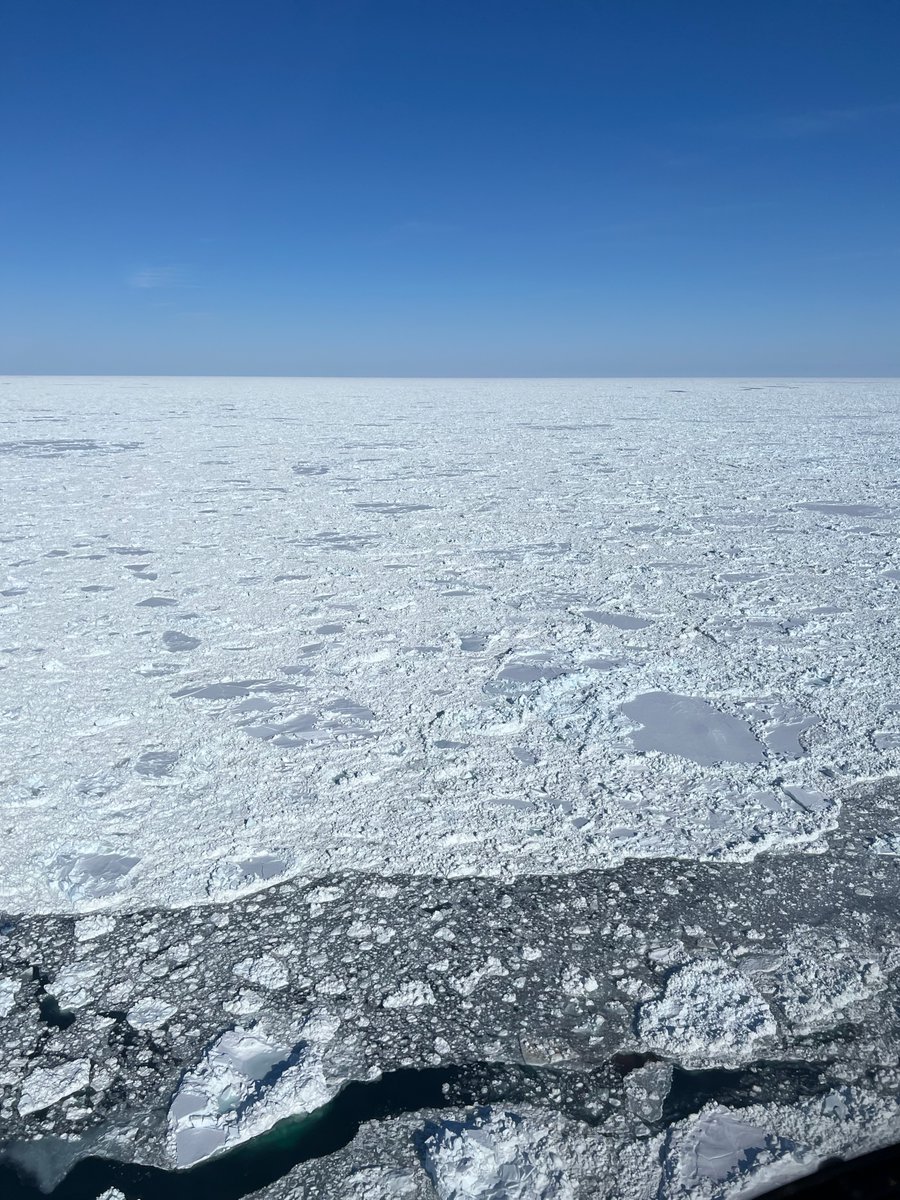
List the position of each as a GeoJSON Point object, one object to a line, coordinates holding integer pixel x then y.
{"type": "Point", "coordinates": [447, 789]}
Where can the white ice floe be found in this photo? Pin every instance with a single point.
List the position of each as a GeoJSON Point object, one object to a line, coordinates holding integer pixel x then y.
{"type": "Point", "coordinates": [646, 1089]}
{"type": "Point", "coordinates": [266, 971]}
{"type": "Point", "coordinates": [722, 1154]}
{"type": "Point", "coordinates": [47, 1086]}
{"type": "Point", "coordinates": [414, 994]}
{"type": "Point", "coordinates": [707, 1012]}
{"type": "Point", "coordinates": [438, 627]}
{"type": "Point", "coordinates": [73, 986]}
{"type": "Point", "coordinates": [150, 1013]}
{"type": "Point", "coordinates": [466, 984]}
{"type": "Point", "coordinates": [87, 929]}
{"type": "Point", "coordinates": [245, 1083]}
{"type": "Point", "coordinates": [9, 989]}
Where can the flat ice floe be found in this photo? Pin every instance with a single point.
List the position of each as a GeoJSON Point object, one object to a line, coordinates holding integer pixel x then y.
{"type": "Point", "coordinates": [265, 628]}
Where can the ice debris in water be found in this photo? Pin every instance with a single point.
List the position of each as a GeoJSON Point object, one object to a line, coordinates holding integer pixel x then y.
{"type": "Point", "coordinates": [819, 977]}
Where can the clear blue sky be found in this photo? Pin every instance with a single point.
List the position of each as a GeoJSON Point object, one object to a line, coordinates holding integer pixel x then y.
{"type": "Point", "coordinates": [450, 187]}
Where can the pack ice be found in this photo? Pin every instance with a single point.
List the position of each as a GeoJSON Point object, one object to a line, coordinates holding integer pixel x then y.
{"type": "Point", "coordinates": [262, 628]}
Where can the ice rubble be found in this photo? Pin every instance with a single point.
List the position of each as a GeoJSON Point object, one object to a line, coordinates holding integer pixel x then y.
{"type": "Point", "coordinates": [781, 973]}
{"type": "Point", "coordinates": [370, 631]}
{"type": "Point", "coordinates": [820, 977]}
{"type": "Point", "coordinates": [495, 1156]}
{"type": "Point", "coordinates": [708, 1012]}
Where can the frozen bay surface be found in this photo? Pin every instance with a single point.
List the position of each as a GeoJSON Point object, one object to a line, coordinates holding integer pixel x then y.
{"type": "Point", "coordinates": [255, 629]}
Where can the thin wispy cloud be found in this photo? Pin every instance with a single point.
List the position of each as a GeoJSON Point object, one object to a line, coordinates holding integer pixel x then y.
{"type": "Point", "coordinates": [675, 220]}
{"type": "Point", "coordinates": [416, 231]}
{"type": "Point", "coordinates": [815, 123]}
{"type": "Point", "coordinates": [159, 277]}
{"type": "Point", "coordinates": [879, 253]}
{"type": "Point", "coordinates": [423, 226]}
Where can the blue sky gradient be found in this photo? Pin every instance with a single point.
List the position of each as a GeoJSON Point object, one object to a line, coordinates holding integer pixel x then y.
{"type": "Point", "coordinates": [451, 187]}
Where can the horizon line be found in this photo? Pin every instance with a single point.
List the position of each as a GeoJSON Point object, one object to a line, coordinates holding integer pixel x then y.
{"type": "Point", "coordinates": [251, 375]}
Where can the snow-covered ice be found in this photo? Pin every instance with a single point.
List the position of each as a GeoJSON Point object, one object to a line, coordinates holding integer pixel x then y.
{"type": "Point", "coordinates": [47, 1086]}
{"type": "Point", "coordinates": [244, 1084]}
{"type": "Point", "coordinates": [262, 628]}
{"type": "Point", "coordinates": [495, 1156]}
{"type": "Point", "coordinates": [708, 1010]}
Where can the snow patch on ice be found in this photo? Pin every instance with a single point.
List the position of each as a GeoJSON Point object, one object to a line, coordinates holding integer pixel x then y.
{"type": "Point", "coordinates": [92, 876]}
{"type": "Point", "coordinates": [691, 728]}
